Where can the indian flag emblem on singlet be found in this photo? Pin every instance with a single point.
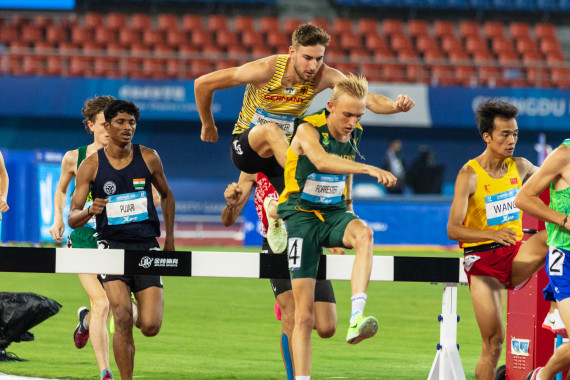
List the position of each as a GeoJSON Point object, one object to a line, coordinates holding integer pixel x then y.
{"type": "Point", "coordinates": [139, 183]}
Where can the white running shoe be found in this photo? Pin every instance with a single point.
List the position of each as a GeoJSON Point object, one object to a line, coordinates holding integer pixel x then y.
{"type": "Point", "coordinates": [558, 328]}
{"type": "Point", "coordinates": [276, 231]}
{"type": "Point", "coordinates": [549, 321]}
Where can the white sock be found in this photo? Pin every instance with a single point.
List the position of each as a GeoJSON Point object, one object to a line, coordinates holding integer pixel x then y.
{"type": "Point", "coordinates": [302, 377]}
{"type": "Point", "coordinates": [358, 303]}
{"type": "Point", "coordinates": [538, 377]}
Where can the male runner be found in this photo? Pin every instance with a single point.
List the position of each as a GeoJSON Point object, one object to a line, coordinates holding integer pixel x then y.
{"type": "Point", "coordinates": [120, 177]}
{"type": "Point", "coordinates": [484, 219]}
{"type": "Point", "coordinates": [4, 181]}
{"type": "Point", "coordinates": [555, 174]}
{"type": "Point", "coordinates": [314, 208]}
{"type": "Point", "coordinates": [265, 196]}
{"type": "Point", "coordinates": [91, 322]}
{"type": "Point", "coordinates": [279, 89]}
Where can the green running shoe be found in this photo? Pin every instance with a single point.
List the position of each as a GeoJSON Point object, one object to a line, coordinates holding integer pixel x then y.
{"type": "Point", "coordinates": [362, 328]}
{"type": "Point", "coordinates": [276, 231]}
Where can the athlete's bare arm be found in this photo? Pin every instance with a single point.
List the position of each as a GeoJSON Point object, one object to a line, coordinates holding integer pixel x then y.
{"type": "Point", "coordinates": [4, 182]}
{"type": "Point", "coordinates": [525, 168]}
{"type": "Point", "coordinates": [465, 186]}
{"type": "Point", "coordinates": [556, 170]}
{"type": "Point", "coordinates": [257, 72]}
{"type": "Point", "coordinates": [306, 142]}
{"type": "Point", "coordinates": [159, 181]}
{"type": "Point", "coordinates": [236, 195]}
{"type": "Point", "coordinates": [85, 175]}
{"type": "Point", "coordinates": [68, 171]}
{"type": "Point", "coordinates": [376, 103]}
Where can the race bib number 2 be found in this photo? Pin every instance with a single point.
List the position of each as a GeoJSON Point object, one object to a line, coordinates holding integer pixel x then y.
{"type": "Point", "coordinates": [556, 261]}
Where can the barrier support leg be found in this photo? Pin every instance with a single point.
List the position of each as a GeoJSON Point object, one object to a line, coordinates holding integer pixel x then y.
{"type": "Point", "coordinates": [447, 364]}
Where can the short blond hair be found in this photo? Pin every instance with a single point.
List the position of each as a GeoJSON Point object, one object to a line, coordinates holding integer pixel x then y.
{"type": "Point", "coordinates": [355, 86]}
{"type": "Point", "coordinates": [308, 34]}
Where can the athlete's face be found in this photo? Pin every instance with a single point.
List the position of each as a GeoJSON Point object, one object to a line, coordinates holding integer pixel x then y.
{"type": "Point", "coordinates": [122, 128]}
{"type": "Point", "coordinates": [100, 134]}
{"type": "Point", "coordinates": [345, 112]}
{"type": "Point", "coordinates": [307, 60]}
{"type": "Point", "coordinates": [503, 138]}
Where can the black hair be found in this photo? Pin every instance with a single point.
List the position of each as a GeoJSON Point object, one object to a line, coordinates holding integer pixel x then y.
{"type": "Point", "coordinates": [489, 109]}
{"type": "Point", "coordinates": [117, 106]}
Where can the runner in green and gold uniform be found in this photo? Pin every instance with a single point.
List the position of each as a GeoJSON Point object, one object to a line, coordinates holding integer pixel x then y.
{"type": "Point", "coordinates": [320, 162]}
{"type": "Point", "coordinates": [554, 174]}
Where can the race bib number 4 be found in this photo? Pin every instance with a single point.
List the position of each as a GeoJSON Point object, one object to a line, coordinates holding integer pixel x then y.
{"type": "Point", "coordinates": [324, 188]}
{"type": "Point", "coordinates": [285, 122]}
{"type": "Point", "coordinates": [127, 208]}
{"type": "Point", "coordinates": [294, 253]}
{"type": "Point", "coordinates": [501, 207]}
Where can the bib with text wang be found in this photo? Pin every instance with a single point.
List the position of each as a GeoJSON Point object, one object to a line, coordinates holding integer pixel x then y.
{"type": "Point", "coordinates": [285, 122]}
{"type": "Point", "coordinates": [324, 188]}
{"type": "Point", "coordinates": [127, 208]}
{"type": "Point", "coordinates": [501, 207]}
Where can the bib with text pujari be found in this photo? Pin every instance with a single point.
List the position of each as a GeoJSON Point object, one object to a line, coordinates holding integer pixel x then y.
{"type": "Point", "coordinates": [492, 206]}
{"type": "Point", "coordinates": [127, 208]}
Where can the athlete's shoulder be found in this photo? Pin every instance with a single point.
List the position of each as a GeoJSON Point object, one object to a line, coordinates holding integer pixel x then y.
{"type": "Point", "coordinates": [317, 118]}
{"type": "Point", "coordinates": [327, 77]}
{"type": "Point", "coordinates": [70, 158]}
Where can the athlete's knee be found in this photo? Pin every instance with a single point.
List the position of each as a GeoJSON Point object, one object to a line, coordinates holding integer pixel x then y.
{"type": "Point", "coordinates": [100, 307]}
{"type": "Point", "coordinates": [304, 320]}
{"type": "Point", "coordinates": [123, 319]}
{"type": "Point", "coordinates": [150, 329]}
{"type": "Point", "coordinates": [288, 318]}
{"type": "Point", "coordinates": [492, 346]}
{"type": "Point", "coordinates": [326, 330]}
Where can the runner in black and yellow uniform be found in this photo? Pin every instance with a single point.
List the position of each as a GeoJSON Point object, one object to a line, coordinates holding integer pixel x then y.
{"type": "Point", "coordinates": [91, 322]}
{"type": "Point", "coordinates": [320, 162]}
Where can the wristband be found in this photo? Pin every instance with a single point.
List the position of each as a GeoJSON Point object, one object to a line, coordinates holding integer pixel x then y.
{"type": "Point", "coordinates": [88, 208]}
{"type": "Point", "coordinates": [564, 222]}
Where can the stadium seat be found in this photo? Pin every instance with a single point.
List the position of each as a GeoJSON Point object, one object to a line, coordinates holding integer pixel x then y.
{"type": "Point", "coordinates": [188, 51]}
{"type": "Point", "coordinates": [490, 76]}
{"type": "Point", "coordinates": [290, 24]}
{"type": "Point", "coordinates": [154, 68]}
{"type": "Point", "coordinates": [372, 72]}
{"type": "Point", "coordinates": [342, 26]}
{"type": "Point", "coordinates": [458, 57]}
{"type": "Point", "coordinates": [393, 73]}
{"type": "Point", "coordinates": [502, 46]}
{"type": "Point", "coordinates": [561, 77]}
{"type": "Point", "coordinates": [54, 65]}
{"type": "Point", "coordinates": [426, 42]}
{"type": "Point", "coordinates": [393, 26]}
{"type": "Point", "coordinates": [8, 34]}
{"type": "Point", "coordinates": [443, 28]}
{"type": "Point", "coordinates": [367, 26]}
{"type": "Point", "coordinates": [18, 47]}
{"type": "Point", "coordinates": [243, 23]}
{"type": "Point", "coordinates": [346, 68]}
{"type": "Point", "coordinates": [549, 45]}
{"type": "Point", "coordinates": [104, 35]}
{"type": "Point", "coordinates": [465, 75]}
{"type": "Point", "coordinates": [42, 21]}
{"type": "Point", "coordinates": [175, 38]}
{"type": "Point", "coordinates": [359, 56]}
{"type": "Point", "coordinates": [79, 35]}
{"type": "Point", "coordinates": [32, 65]}
{"type": "Point", "coordinates": [238, 55]}
{"type": "Point", "coordinates": [526, 46]}
{"type": "Point", "coordinates": [116, 50]}
{"type": "Point", "coordinates": [519, 30]}
{"type": "Point", "coordinates": [44, 48]}
{"type": "Point", "coordinates": [278, 41]}
{"type": "Point", "coordinates": [92, 48]}
{"type": "Point", "coordinates": [15, 64]}
{"type": "Point", "coordinates": [443, 76]}
{"type": "Point", "coordinates": [191, 22]}
{"type": "Point", "coordinates": [251, 38]}
{"type": "Point", "coordinates": [418, 28]}
{"type": "Point", "coordinates": [350, 41]}
{"type": "Point", "coordinates": [555, 59]}
{"type": "Point", "coordinates": [55, 34]}
{"type": "Point", "coordinates": [164, 51]}
{"type": "Point", "coordinates": [116, 21]}
{"type": "Point", "coordinates": [492, 29]}
{"type": "Point", "coordinates": [269, 25]}
{"type": "Point", "coordinates": [400, 42]}
{"type": "Point", "coordinates": [106, 67]}
{"type": "Point", "coordinates": [473, 44]}
{"type": "Point", "coordinates": [417, 73]}
{"type": "Point", "coordinates": [434, 57]}
{"type": "Point", "coordinates": [450, 44]}
{"type": "Point", "coordinates": [407, 56]}
{"type": "Point", "coordinates": [139, 50]}
{"type": "Point", "coordinates": [538, 77]}
{"type": "Point", "coordinates": [19, 20]}
{"type": "Point", "coordinates": [141, 22]}
{"type": "Point", "coordinates": [68, 48]}
{"type": "Point", "coordinates": [200, 38]}
{"type": "Point", "coordinates": [375, 42]}
{"type": "Point", "coordinates": [166, 22]}
{"type": "Point", "coordinates": [261, 51]}
{"type": "Point", "coordinates": [482, 57]}
{"type": "Point", "coordinates": [79, 67]}
{"type": "Point", "coordinates": [225, 38]}
{"type": "Point", "coordinates": [200, 67]}
{"type": "Point", "coordinates": [93, 20]}
{"type": "Point", "coordinates": [383, 56]}
{"type": "Point", "coordinates": [217, 22]}
{"type": "Point", "coordinates": [544, 30]}
{"type": "Point", "coordinates": [128, 37]}
{"type": "Point", "coordinates": [321, 23]}
{"type": "Point", "coordinates": [173, 68]}
{"type": "Point", "coordinates": [31, 34]}
{"type": "Point", "coordinates": [468, 29]}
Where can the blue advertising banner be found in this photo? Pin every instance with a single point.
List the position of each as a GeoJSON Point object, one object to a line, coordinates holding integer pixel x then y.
{"type": "Point", "coordinates": [49, 170]}
{"type": "Point", "coordinates": [157, 100]}
{"type": "Point", "coordinates": [539, 109]}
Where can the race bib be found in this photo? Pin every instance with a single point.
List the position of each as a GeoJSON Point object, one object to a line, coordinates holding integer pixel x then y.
{"type": "Point", "coordinates": [556, 261]}
{"type": "Point", "coordinates": [324, 188]}
{"type": "Point", "coordinates": [285, 122]}
{"type": "Point", "coordinates": [127, 208]}
{"type": "Point", "coordinates": [91, 223]}
{"type": "Point", "coordinates": [501, 207]}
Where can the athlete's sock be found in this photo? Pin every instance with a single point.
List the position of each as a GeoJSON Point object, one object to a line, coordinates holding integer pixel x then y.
{"type": "Point", "coordinates": [358, 303]}
{"type": "Point", "coordinates": [302, 377]}
{"type": "Point", "coordinates": [287, 356]}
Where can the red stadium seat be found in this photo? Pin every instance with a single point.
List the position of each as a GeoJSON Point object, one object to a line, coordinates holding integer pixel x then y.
{"type": "Point", "coordinates": [217, 22]}
{"type": "Point", "coordinates": [8, 34]}
{"type": "Point", "coordinates": [173, 68]}
{"type": "Point", "coordinates": [418, 28]}
{"type": "Point", "coordinates": [492, 29]}
{"type": "Point", "coordinates": [80, 67]}
{"type": "Point", "coordinates": [443, 28]}
{"type": "Point", "coordinates": [93, 20]}
{"type": "Point", "coordinates": [473, 44]}
{"type": "Point", "coordinates": [519, 30]}
{"type": "Point", "coordinates": [54, 65]}
{"type": "Point", "coordinates": [458, 57]}
{"type": "Point", "coordinates": [290, 24]}
{"type": "Point", "coordinates": [434, 57]}
{"type": "Point", "coordinates": [238, 55]}
{"type": "Point", "coordinates": [407, 56]}
{"type": "Point", "coordinates": [17, 47]}
{"type": "Point", "coordinates": [393, 73]}
{"type": "Point", "coordinates": [166, 22]}
{"type": "Point", "coordinates": [401, 42]}
{"type": "Point", "coordinates": [393, 26]}
{"type": "Point", "coordinates": [342, 26]}
{"type": "Point", "coordinates": [367, 26]}
{"type": "Point", "coordinates": [483, 57]}
{"type": "Point", "coordinates": [191, 22]}
{"type": "Point", "coordinates": [260, 51]}
{"type": "Point", "coordinates": [152, 37]}
{"type": "Point", "coordinates": [425, 42]}
{"type": "Point", "coordinates": [544, 30]}
{"type": "Point", "coordinates": [465, 75]}
{"type": "Point", "coordinates": [92, 48]}
{"type": "Point", "coordinates": [443, 76]}
{"type": "Point", "coordinates": [375, 42]}
{"type": "Point", "coordinates": [490, 76]}
{"type": "Point", "coordinates": [105, 35]}
{"type": "Point", "coordinates": [468, 29]}
{"type": "Point", "coordinates": [502, 46]}
{"type": "Point", "coordinates": [68, 48]}
{"type": "Point", "coordinates": [359, 56]}
{"type": "Point", "coordinates": [417, 73]}
{"type": "Point", "coordinates": [116, 21]}
{"type": "Point", "coordinates": [32, 65]}
{"type": "Point", "coordinates": [450, 44]}
{"type": "Point", "coordinates": [550, 45]}
{"type": "Point", "coordinates": [117, 50]}
{"type": "Point", "coordinates": [129, 36]}
{"type": "Point", "coordinates": [55, 34]}
{"type": "Point", "coordinates": [268, 25]}
{"type": "Point", "coordinates": [175, 38]}
{"type": "Point", "coordinates": [555, 59]}
{"type": "Point", "coordinates": [538, 77]}
{"type": "Point", "coordinates": [106, 67]}
{"type": "Point", "coordinates": [278, 41]}
{"type": "Point", "coordinates": [350, 41]}
{"type": "Point", "coordinates": [321, 23]}
{"type": "Point", "coordinates": [201, 67]}
{"type": "Point", "coordinates": [243, 23]}
{"type": "Point", "coordinates": [42, 21]}
{"type": "Point", "coordinates": [80, 35]}
{"type": "Point", "coordinates": [346, 68]}
{"type": "Point", "coordinates": [141, 21]}
{"type": "Point", "coordinates": [561, 77]}
{"type": "Point", "coordinates": [44, 48]}
{"type": "Point", "coordinates": [154, 68]}
{"type": "Point", "coordinates": [164, 51]}
{"type": "Point", "coordinates": [526, 46]}
{"type": "Point", "coordinates": [372, 72]}
{"type": "Point", "coordinates": [31, 34]}
{"type": "Point", "coordinates": [251, 38]}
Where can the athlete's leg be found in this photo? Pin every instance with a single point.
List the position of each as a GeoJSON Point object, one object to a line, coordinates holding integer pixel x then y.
{"type": "Point", "coordinates": [530, 258]}
{"type": "Point", "coordinates": [357, 235]}
{"type": "Point", "coordinates": [269, 140]}
{"type": "Point", "coordinates": [325, 319]}
{"type": "Point", "coordinates": [287, 306]}
{"type": "Point", "coordinates": [119, 295]}
{"type": "Point", "coordinates": [487, 295]}
{"type": "Point", "coordinates": [560, 360]}
{"type": "Point", "coordinates": [97, 318]}
{"type": "Point", "coordinates": [304, 294]}
{"type": "Point", "coordinates": [150, 302]}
